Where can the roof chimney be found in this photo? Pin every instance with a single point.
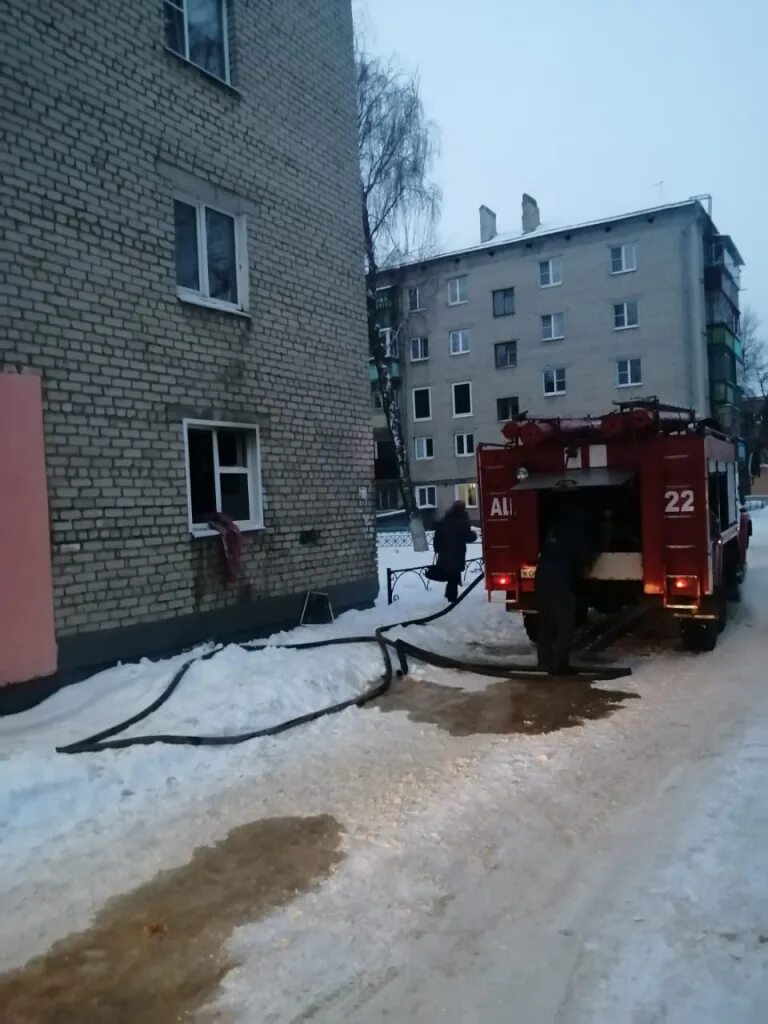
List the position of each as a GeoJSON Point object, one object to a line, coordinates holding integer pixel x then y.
{"type": "Point", "coordinates": [487, 224]}
{"type": "Point", "coordinates": [531, 218]}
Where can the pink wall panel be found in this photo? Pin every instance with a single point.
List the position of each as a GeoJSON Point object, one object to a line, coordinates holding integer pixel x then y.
{"type": "Point", "coordinates": [27, 634]}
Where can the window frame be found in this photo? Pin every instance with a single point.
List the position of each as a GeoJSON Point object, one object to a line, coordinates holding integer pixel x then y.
{"type": "Point", "coordinates": [419, 308]}
{"type": "Point", "coordinates": [428, 442]}
{"type": "Point", "coordinates": [459, 301]}
{"type": "Point", "coordinates": [622, 247]}
{"type": "Point", "coordinates": [421, 419]}
{"type": "Point", "coordinates": [501, 344]}
{"type": "Point", "coordinates": [554, 370]}
{"type": "Point", "coordinates": [181, 5]}
{"type": "Point", "coordinates": [465, 498]}
{"type": "Point", "coordinates": [629, 360]}
{"type": "Point", "coordinates": [549, 264]}
{"type": "Point", "coordinates": [463, 332]}
{"type": "Point", "coordinates": [422, 347]}
{"type": "Point", "coordinates": [390, 342]}
{"type": "Point", "coordinates": [507, 398]}
{"type": "Point", "coordinates": [461, 384]}
{"type": "Point", "coordinates": [252, 470]}
{"type": "Point", "coordinates": [503, 292]}
{"type": "Point", "coordinates": [200, 298]}
{"type": "Point", "coordinates": [465, 454]}
{"type": "Point", "coordinates": [427, 488]}
{"type": "Point", "coordinates": [553, 336]}
{"type": "Point", "coordinates": [625, 306]}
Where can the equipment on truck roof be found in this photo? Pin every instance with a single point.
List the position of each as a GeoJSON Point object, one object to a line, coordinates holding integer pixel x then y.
{"type": "Point", "coordinates": [658, 493]}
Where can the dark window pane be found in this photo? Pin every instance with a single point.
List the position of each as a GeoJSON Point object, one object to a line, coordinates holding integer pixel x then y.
{"type": "Point", "coordinates": [506, 354]}
{"type": "Point", "coordinates": [421, 404]}
{"type": "Point", "coordinates": [504, 302]}
{"type": "Point", "coordinates": [234, 495]}
{"type": "Point", "coordinates": [222, 271]}
{"type": "Point", "coordinates": [462, 402]}
{"type": "Point", "coordinates": [187, 270]}
{"type": "Point", "coordinates": [201, 483]}
{"type": "Point", "coordinates": [232, 447]}
{"type": "Point", "coordinates": [205, 19]}
{"type": "Point", "coordinates": [174, 27]}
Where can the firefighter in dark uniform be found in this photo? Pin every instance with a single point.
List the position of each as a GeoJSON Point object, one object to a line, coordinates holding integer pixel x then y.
{"type": "Point", "coordinates": [569, 550]}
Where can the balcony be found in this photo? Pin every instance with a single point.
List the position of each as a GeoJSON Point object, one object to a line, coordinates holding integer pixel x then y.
{"type": "Point", "coordinates": [718, 278]}
{"type": "Point", "coordinates": [394, 371]}
{"type": "Point", "coordinates": [721, 334]}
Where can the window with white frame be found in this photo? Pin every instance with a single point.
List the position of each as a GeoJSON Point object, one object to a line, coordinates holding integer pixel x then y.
{"type": "Point", "coordinates": [426, 496]}
{"type": "Point", "coordinates": [459, 342]}
{"type": "Point", "coordinates": [467, 493]}
{"type": "Point", "coordinates": [419, 349]}
{"type": "Point", "coordinates": [504, 302]}
{"type": "Point", "coordinates": [457, 290]}
{"type": "Point", "coordinates": [462, 399]}
{"type": "Point", "coordinates": [551, 272]}
{"type": "Point", "coordinates": [552, 327]}
{"type": "Point", "coordinates": [423, 447]}
{"type": "Point", "coordinates": [414, 299]}
{"type": "Point", "coordinates": [505, 354]}
{"type": "Point", "coordinates": [623, 258]}
{"type": "Point", "coordinates": [197, 30]}
{"type": "Point", "coordinates": [464, 445]}
{"type": "Point", "coordinates": [211, 262]}
{"type": "Point", "coordinates": [554, 381]}
{"type": "Point", "coordinates": [507, 408]}
{"type": "Point", "coordinates": [628, 372]}
{"type": "Point", "coordinates": [624, 316]}
{"type": "Point", "coordinates": [389, 339]}
{"type": "Point", "coordinates": [223, 474]}
{"type": "Point", "coordinates": [422, 403]}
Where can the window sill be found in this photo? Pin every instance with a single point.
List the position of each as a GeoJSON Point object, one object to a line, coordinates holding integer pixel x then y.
{"type": "Point", "coordinates": [461, 415]}
{"type": "Point", "coordinates": [555, 284]}
{"type": "Point", "coordinates": [639, 384]}
{"type": "Point", "coordinates": [469, 456]}
{"type": "Point", "coordinates": [417, 419]}
{"type": "Point", "coordinates": [462, 302]}
{"type": "Point", "coordinates": [455, 355]}
{"type": "Point", "coordinates": [205, 531]}
{"type": "Point", "coordinates": [629, 270]}
{"type": "Point", "coordinates": [220, 82]}
{"type": "Point", "coordinates": [500, 316]}
{"type": "Point", "coordinates": [193, 299]}
{"type": "Point", "coordinates": [555, 394]}
{"type": "Point", "coordinates": [508, 366]}
{"type": "Point", "coordinates": [421, 309]}
{"type": "Point", "coordinates": [628, 327]}
{"type": "Point", "coordinates": [420, 360]}
{"type": "Point", "coordinates": [560, 337]}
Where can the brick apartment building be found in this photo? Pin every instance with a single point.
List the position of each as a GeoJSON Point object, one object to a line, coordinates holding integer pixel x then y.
{"type": "Point", "coordinates": [183, 311]}
{"type": "Point", "coordinates": [556, 322]}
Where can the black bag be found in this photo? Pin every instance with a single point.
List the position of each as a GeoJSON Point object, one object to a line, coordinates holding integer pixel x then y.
{"type": "Point", "coordinates": [435, 573]}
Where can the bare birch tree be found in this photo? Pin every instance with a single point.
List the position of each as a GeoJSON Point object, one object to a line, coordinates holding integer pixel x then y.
{"type": "Point", "coordinates": [755, 355]}
{"type": "Point", "coordinates": [400, 207]}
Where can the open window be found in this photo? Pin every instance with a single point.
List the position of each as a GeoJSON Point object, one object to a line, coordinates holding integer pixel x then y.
{"type": "Point", "coordinates": [223, 474]}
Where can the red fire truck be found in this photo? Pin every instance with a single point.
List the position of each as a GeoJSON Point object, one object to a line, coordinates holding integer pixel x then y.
{"type": "Point", "coordinates": [662, 490]}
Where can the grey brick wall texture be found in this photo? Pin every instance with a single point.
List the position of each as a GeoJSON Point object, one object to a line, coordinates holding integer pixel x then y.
{"type": "Point", "coordinates": [95, 111]}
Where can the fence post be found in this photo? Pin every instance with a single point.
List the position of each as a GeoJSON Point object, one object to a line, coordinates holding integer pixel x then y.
{"type": "Point", "coordinates": [389, 586]}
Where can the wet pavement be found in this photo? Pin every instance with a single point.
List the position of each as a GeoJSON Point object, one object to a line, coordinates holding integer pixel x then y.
{"type": "Point", "coordinates": [155, 955]}
{"type": "Point", "coordinates": [505, 707]}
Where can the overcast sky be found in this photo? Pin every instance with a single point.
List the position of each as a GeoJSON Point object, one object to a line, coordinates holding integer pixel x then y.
{"type": "Point", "coordinates": [588, 105]}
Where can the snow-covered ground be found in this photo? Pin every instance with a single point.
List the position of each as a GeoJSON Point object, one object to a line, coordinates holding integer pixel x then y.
{"type": "Point", "coordinates": [614, 871]}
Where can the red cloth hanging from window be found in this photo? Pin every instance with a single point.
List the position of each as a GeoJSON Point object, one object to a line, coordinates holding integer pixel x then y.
{"type": "Point", "coordinates": [231, 542]}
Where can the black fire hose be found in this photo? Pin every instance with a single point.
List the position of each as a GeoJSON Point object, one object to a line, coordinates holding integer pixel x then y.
{"type": "Point", "coordinates": [103, 740]}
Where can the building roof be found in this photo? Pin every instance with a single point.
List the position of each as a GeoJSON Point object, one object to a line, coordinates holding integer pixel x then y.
{"type": "Point", "coordinates": [499, 241]}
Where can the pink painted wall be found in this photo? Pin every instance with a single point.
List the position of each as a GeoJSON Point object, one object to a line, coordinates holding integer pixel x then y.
{"type": "Point", "coordinates": [27, 633]}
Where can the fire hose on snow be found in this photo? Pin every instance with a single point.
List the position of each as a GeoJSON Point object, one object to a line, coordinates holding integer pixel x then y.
{"type": "Point", "coordinates": [106, 739]}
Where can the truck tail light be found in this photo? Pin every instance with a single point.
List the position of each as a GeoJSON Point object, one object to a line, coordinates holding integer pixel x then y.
{"type": "Point", "coordinates": [501, 581]}
{"type": "Point", "coordinates": [683, 588]}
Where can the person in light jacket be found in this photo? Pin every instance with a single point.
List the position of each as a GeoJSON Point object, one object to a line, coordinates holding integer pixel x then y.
{"type": "Point", "coordinates": [452, 534]}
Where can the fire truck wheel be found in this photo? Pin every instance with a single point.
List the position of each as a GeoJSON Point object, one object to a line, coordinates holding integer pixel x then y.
{"type": "Point", "coordinates": [699, 635]}
{"type": "Point", "coordinates": [531, 627]}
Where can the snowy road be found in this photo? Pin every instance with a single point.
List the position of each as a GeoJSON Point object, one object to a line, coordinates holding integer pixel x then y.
{"type": "Point", "coordinates": [451, 862]}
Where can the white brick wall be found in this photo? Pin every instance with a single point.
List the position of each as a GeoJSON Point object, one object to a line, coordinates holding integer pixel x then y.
{"type": "Point", "coordinates": [96, 111]}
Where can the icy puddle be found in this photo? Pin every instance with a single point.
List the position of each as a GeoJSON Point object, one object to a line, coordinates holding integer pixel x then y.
{"type": "Point", "coordinates": [503, 707]}
{"type": "Point", "coordinates": [156, 954]}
